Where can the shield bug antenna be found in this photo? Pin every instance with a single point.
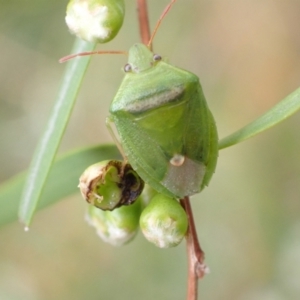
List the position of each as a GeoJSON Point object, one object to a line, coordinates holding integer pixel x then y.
{"type": "Point", "coordinates": [68, 57]}
{"type": "Point", "coordinates": [166, 10]}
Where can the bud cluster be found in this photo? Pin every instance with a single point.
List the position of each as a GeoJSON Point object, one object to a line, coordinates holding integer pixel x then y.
{"type": "Point", "coordinates": [119, 205]}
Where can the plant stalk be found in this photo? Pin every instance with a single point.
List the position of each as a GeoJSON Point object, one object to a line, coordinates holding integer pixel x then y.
{"type": "Point", "coordinates": [196, 266]}
{"type": "Point", "coordinates": [143, 21]}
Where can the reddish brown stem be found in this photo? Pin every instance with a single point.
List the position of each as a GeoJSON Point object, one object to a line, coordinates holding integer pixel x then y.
{"type": "Point", "coordinates": [143, 21]}
{"type": "Point", "coordinates": [196, 266]}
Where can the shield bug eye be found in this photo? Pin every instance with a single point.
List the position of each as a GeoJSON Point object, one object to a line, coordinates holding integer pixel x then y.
{"type": "Point", "coordinates": [127, 68]}
{"type": "Point", "coordinates": [156, 57]}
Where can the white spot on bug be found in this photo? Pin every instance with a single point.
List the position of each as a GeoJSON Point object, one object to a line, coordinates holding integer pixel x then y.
{"type": "Point", "coordinates": [177, 160]}
{"type": "Point", "coordinates": [87, 22]}
{"type": "Point", "coordinates": [26, 228]}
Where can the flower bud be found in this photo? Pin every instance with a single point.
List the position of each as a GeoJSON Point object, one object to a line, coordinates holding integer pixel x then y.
{"type": "Point", "coordinates": [95, 20]}
{"type": "Point", "coordinates": [164, 221]}
{"type": "Point", "coordinates": [115, 227]}
{"type": "Point", "coordinates": [110, 184]}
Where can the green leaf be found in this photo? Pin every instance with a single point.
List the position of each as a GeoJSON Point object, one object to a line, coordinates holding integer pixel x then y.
{"type": "Point", "coordinates": [277, 114]}
{"type": "Point", "coordinates": [62, 180]}
{"type": "Point", "coordinates": [48, 145]}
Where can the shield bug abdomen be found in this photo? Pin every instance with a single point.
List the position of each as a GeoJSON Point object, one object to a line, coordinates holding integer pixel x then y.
{"type": "Point", "coordinates": [165, 127]}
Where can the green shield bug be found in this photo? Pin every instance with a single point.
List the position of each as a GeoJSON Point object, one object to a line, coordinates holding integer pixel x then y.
{"type": "Point", "coordinates": [165, 127]}
{"type": "Point", "coordinates": [166, 130]}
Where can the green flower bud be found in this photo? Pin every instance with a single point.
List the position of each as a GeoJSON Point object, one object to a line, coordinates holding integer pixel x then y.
{"type": "Point", "coordinates": [110, 184]}
{"type": "Point", "coordinates": [95, 20]}
{"type": "Point", "coordinates": [115, 227]}
{"type": "Point", "coordinates": [164, 221]}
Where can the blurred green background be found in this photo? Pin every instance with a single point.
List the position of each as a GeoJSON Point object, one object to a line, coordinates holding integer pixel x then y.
{"type": "Point", "coordinates": [247, 55]}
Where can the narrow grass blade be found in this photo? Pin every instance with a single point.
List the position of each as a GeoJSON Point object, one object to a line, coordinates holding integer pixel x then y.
{"type": "Point", "coordinates": [62, 180]}
{"type": "Point", "coordinates": [277, 114]}
{"type": "Point", "coordinates": [48, 145]}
